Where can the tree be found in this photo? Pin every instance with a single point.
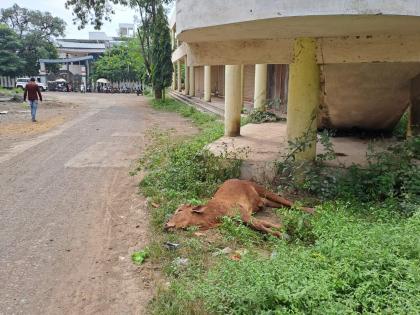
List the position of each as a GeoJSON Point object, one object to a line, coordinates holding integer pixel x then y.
{"type": "Point", "coordinates": [10, 63]}
{"type": "Point", "coordinates": [94, 12]}
{"type": "Point", "coordinates": [35, 48]}
{"type": "Point", "coordinates": [121, 63]}
{"type": "Point", "coordinates": [36, 32]}
{"type": "Point", "coordinates": [24, 21]}
{"type": "Point", "coordinates": [17, 18]}
{"type": "Point", "coordinates": [161, 55]}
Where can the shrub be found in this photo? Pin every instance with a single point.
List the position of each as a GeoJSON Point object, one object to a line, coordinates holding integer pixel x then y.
{"type": "Point", "coordinates": [393, 173]}
{"type": "Point", "coordinates": [258, 116]}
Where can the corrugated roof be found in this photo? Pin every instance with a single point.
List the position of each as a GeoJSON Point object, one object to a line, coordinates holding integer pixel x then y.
{"type": "Point", "coordinates": [80, 45]}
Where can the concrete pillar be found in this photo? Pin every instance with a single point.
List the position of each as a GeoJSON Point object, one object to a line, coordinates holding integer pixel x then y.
{"type": "Point", "coordinates": [260, 91]}
{"type": "Point", "coordinates": [178, 76]}
{"type": "Point", "coordinates": [414, 109]}
{"type": "Point", "coordinates": [187, 78]}
{"type": "Point", "coordinates": [173, 38]}
{"type": "Point", "coordinates": [233, 106]}
{"type": "Point", "coordinates": [207, 83]}
{"type": "Point", "coordinates": [192, 81]}
{"type": "Point", "coordinates": [173, 77]}
{"type": "Point", "coordinates": [42, 68]}
{"type": "Point", "coordinates": [303, 96]}
{"type": "Point", "coordinates": [43, 72]}
{"type": "Point", "coordinates": [414, 120]}
{"type": "Point", "coordinates": [87, 65]}
{"type": "Point", "coordinates": [242, 86]}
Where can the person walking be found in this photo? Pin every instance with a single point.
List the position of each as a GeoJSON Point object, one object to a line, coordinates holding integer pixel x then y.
{"type": "Point", "coordinates": [32, 92]}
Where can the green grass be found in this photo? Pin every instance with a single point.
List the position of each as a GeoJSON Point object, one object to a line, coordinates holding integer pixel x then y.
{"type": "Point", "coordinates": [351, 258]}
{"type": "Point", "coordinates": [355, 266]}
{"type": "Point", "coordinates": [10, 92]}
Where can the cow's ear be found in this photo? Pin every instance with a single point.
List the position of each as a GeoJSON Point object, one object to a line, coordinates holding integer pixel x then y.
{"type": "Point", "coordinates": [198, 209]}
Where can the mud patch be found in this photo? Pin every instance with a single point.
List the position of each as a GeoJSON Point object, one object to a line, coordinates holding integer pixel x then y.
{"type": "Point", "coordinates": [30, 128]}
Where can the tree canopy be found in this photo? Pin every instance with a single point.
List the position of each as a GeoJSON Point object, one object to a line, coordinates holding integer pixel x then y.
{"type": "Point", "coordinates": [121, 63]}
{"type": "Point", "coordinates": [24, 21]}
{"type": "Point", "coordinates": [10, 63]}
{"type": "Point", "coordinates": [161, 55]}
{"type": "Point", "coordinates": [95, 12]}
{"type": "Point", "coordinates": [35, 33]}
{"type": "Point", "coordinates": [151, 32]}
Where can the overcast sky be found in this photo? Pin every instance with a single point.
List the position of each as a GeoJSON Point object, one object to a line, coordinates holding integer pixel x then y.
{"type": "Point", "coordinates": [56, 7]}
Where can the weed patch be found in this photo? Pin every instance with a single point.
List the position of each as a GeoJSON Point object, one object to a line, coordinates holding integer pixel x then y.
{"type": "Point", "coordinates": [391, 176]}
{"type": "Point", "coordinates": [259, 116]}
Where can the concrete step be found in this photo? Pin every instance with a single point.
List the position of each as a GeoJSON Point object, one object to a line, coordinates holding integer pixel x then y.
{"type": "Point", "coordinates": [197, 103]}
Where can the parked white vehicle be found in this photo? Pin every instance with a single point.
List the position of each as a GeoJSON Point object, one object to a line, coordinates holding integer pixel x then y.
{"type": "Point", "coordinates": [21, 83]}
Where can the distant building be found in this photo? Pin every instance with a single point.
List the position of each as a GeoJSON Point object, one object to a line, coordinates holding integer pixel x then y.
{"type": "Point", "coordinates": [126, 30]}
{"type": "Point", "coordinates": [76, 55]}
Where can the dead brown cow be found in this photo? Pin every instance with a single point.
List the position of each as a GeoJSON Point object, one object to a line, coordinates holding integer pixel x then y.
{"type": "Point", "coordinates": [232, 198]}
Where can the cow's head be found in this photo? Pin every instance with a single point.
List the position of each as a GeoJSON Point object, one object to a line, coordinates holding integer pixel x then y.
{"type": "Point", "coordinates": [185, 216]}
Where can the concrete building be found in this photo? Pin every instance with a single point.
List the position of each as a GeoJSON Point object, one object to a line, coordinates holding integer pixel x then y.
{"type": "Point", "coordinates": [126, 30]}
{"type": "Point", "coordinates": [335, 63]}
{"type": "Point", "coordinates": [76, 55]}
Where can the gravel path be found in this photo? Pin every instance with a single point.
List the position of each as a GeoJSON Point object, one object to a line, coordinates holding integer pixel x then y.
{"type": "Point", "coordinates": [70, 215]}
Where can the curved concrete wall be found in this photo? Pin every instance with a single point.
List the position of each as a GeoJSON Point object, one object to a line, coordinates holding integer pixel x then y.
{"type": "Point", "coordinates": [216, 12]}
{"type": "Point", "coordinates": [195, 15]}
{"type": "Point", "coordinates": [366, 95]}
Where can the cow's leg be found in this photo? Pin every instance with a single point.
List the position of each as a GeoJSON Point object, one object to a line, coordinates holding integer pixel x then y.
{"type": "Point", "coordinates": [266, 194]}
{"type": "Point", "coordinates": [271, 204]}
{"type": "Point", "coordinates": [271, 225]}
{"type": "Point", "coordinates": [260, 225]}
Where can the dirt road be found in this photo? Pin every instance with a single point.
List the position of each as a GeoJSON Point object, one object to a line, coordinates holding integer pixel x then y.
{"type": "Point", "coordinates": [70, 215]}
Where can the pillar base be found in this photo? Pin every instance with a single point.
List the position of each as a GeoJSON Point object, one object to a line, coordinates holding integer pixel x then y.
{"type": "Point", "coordinates": [191, 91]}
{"type": "Point", "coordinates": [303, 97]}
{"type": "Point", "coordinates": [413, 128]}
{"type": "Point", "coordinates": [233, 106]}
{"type": "Point", "coordinates": [260, 92]}
{"type": "Point", "coordinates": [207, 83]}
{"type": "Point", "coordinates": [178, 74]}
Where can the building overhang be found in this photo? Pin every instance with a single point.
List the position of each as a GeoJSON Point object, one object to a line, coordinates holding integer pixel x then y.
{"type": "Point", "coordinates": [80, 51]}
{"type": "Point", "coordinates": [65, 60]}
{"type": "Point", "coordinates": [331, 50]}
{"type": "Point", "coordinates": [180, 52]}
{"type": "Point", "coordinates": [200, 21]}
{"type": "Point", "coordinates": [347, 31]}
{"type": "Point", "coordinates": [309, 26]}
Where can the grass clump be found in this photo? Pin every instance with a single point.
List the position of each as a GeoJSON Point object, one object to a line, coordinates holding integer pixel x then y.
{"type": "Point", "coordinates": [391, 176]}
{"type": "Point", "coordinates": [140, 256]}
{"type": "Point", "coordinates": [15, 94]}
{"type": "Point", "coordinates": [9, 92]}
{"type": "Point", "coordinates": [257, 116]}
{"type": "Point", "coordinates": [235, 231]}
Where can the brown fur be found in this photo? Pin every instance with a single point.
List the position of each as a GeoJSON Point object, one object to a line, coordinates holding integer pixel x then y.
{"type": "Point", "coordinates": [234, 197]}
